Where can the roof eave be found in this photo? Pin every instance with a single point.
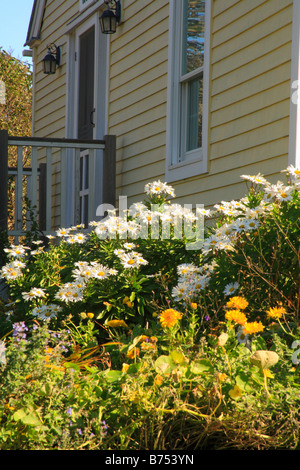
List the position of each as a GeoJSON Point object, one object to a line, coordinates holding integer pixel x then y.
{"type": "Point", "coordinates": [35, 24]}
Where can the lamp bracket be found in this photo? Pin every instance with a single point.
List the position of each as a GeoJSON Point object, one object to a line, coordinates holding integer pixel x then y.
{"type": "Point", "coordinates": [54, 50]}
{"type": "Point", "coordinates": [116, 8]}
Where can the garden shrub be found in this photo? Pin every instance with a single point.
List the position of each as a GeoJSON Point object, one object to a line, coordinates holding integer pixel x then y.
{"type": "Point", "coordinates": [112, 340]}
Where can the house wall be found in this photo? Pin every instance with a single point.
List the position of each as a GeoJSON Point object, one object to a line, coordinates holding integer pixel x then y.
{"type": "Point", "coordinates": [248, 127]}
{"type": "Point", "coordinates": [249, 96]}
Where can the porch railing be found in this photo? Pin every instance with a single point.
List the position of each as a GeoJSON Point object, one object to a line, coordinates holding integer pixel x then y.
{"type": "Point", "coordinates": [38, 179]}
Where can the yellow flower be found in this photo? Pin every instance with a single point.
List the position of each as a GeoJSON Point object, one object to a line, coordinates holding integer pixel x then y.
{"type": "Point", "coordinates": [193, 305]}
{"type": "Point", "coordinates": [169, 317]}
{"type": "Point", "coordinates": [90, 314]}
{"type": "Point", "coordinates": [125, 367]}
{"type": "Point", "coordinates": [252, 328]}
{"type": "Point", "coordinates": [235, 392]}
{"type": "Point", "coordinates": [239, 303]}
{"type": "Point", "coordinates": [276, 312]}
{"type": "Point", "coordinates": [116, 323]}
{"type": "Point", "coordinates": [237, 316]}
{"type": "Point", "coordinates": [268, 373]}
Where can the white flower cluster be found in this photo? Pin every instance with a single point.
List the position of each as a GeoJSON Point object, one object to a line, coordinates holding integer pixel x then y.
{"type": "Point", "coordinates": [12, 270]}
{"type": "Point", "coordinates": [69, 235]}
{"type": "Point", "coordinates": [241, 219]}
{"type": "Point", "coordinates": [159, 188]}
{"type": "Point", "coordinates": [191, 280]}
{"type": "Point", "coordinates": [113, 227]}
{"type": "Point", "coordinates": [130, 259]}
{"type": "Point", "coordinates": [34, 293]}
{"type": "Point", "coordinates": [82, 273]}
{"type": "Point", "coordinates": [46, 312]}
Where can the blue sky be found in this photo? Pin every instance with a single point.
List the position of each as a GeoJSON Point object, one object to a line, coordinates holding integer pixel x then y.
{"type": "Point", "coordinates": [14, 21]}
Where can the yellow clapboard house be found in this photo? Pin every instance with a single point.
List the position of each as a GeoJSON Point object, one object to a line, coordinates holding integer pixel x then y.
{"type": "Point", "coordinates": [197, 92]}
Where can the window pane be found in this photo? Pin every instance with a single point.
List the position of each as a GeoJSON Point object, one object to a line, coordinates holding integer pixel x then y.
{"type": "Point", "coordinates": [194, 114]}
{"type": "Point", "coordinates": [193, 35]}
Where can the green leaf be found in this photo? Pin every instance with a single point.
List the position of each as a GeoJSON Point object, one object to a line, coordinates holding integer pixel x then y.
{"type": "Point", "coordinates": [71, 365]}
{"type": "Point", "coordinates": [19, 415]}
{"type": "Point", "coordinates": [203, 365]}
{"type": "Point", "coordinates": [164, 365]}
{"type": "Point", "coordinates": [113, 375]}
{"type": "Point", "coordinates": [31, 419]}
{"type": "Point", "coordinates": [177, 357]}
{"type": "Point", "coordinates": [242, 380]}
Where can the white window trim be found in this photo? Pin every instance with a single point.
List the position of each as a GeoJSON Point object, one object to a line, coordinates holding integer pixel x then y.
{"type": "Point", "coordinates": [195, 162]}
{"type": "Point", "coordinates": [294, 131]}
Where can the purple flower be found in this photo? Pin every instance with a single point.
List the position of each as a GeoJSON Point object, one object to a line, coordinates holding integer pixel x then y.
{"type": "Point", "coordinates": [19, 331]}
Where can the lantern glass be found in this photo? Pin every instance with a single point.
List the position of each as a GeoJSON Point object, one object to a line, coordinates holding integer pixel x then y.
{"type": "Point", "coordinates": [108, 22]}
{"type": "Point", "coordinates": [49, 64]}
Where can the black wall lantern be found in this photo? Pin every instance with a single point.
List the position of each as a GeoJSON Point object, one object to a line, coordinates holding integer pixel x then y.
{"type": "Point", "coordinates": [110, 18]}
{"type": "Point", "coordinates": [52, 59]}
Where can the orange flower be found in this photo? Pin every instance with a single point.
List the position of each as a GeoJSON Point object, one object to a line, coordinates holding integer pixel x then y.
{"type": "Point", "coordinates": [158, 380]}
{"type": "Point", "coordinates": [252, 328]}
{"type": "Point", "coordinates": [134, 352]}
{"type": "Point", "coordinates": [169, 317]}
{"type": "Point", "coordinates": [147, 345]}
{"type": "Point", "coordinates": [239, 303]}
{"type": "Point", "coordinates": [222, 376]}
{"type": "Point", "coordinates": [237, 316]}
{"type": "Point", "coordinates": [276, 312]}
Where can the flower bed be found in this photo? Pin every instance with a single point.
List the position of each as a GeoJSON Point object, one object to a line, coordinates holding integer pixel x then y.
{"type": "Point", "coordinates": [125, 338]}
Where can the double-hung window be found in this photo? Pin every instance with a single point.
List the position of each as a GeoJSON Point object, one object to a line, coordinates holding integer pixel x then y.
{"type": "Point", "coordinates": [188, 88]}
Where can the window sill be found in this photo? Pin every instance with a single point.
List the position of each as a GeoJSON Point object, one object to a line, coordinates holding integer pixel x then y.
{"type": "Point", "coordinates": [186, 169]}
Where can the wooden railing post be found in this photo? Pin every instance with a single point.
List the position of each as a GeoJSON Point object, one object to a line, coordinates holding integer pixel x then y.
{"type": "Point", "coordinates": [42, 197]}
{"type": "Point", "coordinates": [109, 170]}
{"type": "Point", "coordinates": [3, 179]}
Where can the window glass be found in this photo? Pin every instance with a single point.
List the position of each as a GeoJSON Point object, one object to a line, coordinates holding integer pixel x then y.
{"type": "Point", "coordinates": [194, 114]}
{"type": "Point", "coordinates": [193, 35]}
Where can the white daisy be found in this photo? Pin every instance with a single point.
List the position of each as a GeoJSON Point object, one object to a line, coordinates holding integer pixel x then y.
{"type": "Point", "coordinates": [231, 288]}
{"type": "Point", "coordinates": [34, 293]}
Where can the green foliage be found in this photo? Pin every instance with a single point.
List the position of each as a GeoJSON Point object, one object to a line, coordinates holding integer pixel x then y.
{"type": "Point", "coordinates": [15, 114]}
{"type": "Point", "coordinates": [131, 343]}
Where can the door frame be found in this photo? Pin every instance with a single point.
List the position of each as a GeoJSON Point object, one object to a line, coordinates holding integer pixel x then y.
{"type": "Point", "coordinates": [101, 72]}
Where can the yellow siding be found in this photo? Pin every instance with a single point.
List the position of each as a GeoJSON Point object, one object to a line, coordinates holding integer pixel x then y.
{"type": "Point", "coordinates": [138, 94]}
